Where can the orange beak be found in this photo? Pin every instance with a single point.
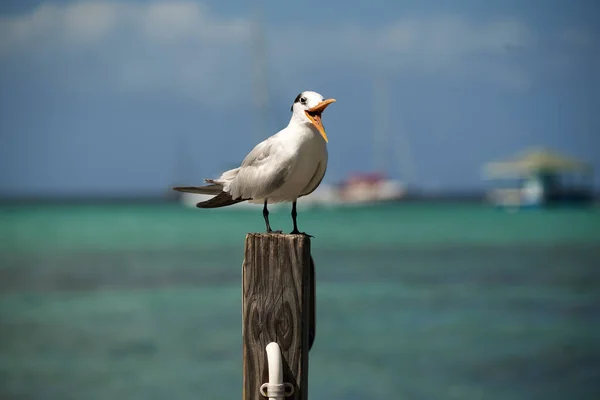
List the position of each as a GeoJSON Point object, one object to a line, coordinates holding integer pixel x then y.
{"type": "Point", "coordinates": [314, 114]}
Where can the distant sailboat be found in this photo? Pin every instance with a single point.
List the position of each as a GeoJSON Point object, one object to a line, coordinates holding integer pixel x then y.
{"type": "Point", "coordinates": [367, 188]}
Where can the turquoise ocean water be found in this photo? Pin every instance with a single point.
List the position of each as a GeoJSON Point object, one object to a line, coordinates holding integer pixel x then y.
{"type": "Point", "coordinates": [413, 302]}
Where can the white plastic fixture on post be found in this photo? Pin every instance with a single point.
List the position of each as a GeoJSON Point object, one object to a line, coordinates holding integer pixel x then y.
{"type": "Point", "coordinates": [275, 388]}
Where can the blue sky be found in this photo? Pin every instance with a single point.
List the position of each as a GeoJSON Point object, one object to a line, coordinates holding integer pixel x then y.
{"type": "Point", "coordinates": [128, 97]}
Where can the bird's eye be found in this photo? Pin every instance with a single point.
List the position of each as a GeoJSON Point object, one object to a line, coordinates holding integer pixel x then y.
{"type": "Point", "coordinates": [303, 100]}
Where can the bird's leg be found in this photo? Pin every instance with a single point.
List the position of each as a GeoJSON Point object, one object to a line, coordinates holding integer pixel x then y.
{"type": "Point", "coordinates": [294, 215]}
{"type": "Point", "coordinates": [266, 217]}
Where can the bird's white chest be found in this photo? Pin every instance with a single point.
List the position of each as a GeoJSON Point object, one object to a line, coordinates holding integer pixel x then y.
{"type": "Point", "coordinates": [309, 151]}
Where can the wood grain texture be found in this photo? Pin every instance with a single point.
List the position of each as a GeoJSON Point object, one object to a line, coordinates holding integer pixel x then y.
{"type": "Point", "coordinates": [276, 297]}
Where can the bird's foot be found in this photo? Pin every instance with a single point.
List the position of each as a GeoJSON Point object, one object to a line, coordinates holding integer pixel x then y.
{"type": "Point", "coordinates": [278, 232]}
{"type": "Point", "coordinates": [297, 232]}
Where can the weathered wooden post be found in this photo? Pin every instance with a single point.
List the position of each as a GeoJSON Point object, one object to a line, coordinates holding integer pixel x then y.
{"type": "Point", "coordinates": [278, 306]}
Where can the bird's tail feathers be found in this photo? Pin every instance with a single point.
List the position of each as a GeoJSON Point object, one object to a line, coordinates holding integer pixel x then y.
{"type": "Point", "coordinates": [213, 188]}
{"type": "Point", "coordinates": [221, 200]}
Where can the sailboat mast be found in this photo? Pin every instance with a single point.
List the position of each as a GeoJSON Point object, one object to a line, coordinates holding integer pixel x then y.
{"type": "Point", "coordinates": [382, 138]}
{"type": "Point", "coordinates": [381, 117]}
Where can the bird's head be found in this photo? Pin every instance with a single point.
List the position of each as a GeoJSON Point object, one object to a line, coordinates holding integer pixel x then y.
{"type": "Point", "coordinates": [308, 108]}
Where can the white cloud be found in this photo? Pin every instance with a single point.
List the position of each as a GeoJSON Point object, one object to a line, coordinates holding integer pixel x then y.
{"type": "Point", "coordinates": [445, 46]}
{"type": "Point", "coordinates": [89, 22]}
{"type": "Point", "coordinates": [168, 46]}
{"type": "Point", "coordinates": [181, 47]}
{"type": "Point", "coordinates": [453, 36]}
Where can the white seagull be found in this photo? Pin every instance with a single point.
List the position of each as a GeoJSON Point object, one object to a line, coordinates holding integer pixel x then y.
{"type": "Point", "coordinates": [288, 165]}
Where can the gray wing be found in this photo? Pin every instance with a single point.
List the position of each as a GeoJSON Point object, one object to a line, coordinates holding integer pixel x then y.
{"type": "Point", "coordinates": [259, 153]}
{"type": "Point", "coordinates": [263, 171]}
